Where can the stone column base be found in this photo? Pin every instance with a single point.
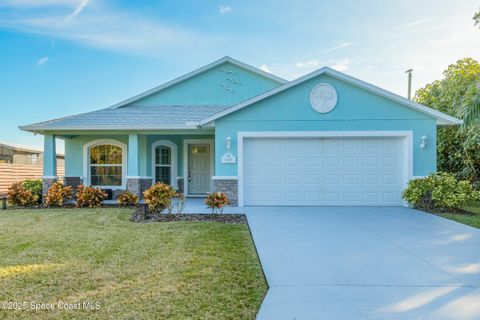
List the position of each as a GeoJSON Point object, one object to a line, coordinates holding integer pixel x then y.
{"type": "Point", "coordinates": [228, 186]}
{"type": "Point", "coordinates": [73, 182]}
{"type": "Point", "coordinates": [138, 185]}
{"type": "Point", "coordinates": [47, 183]}
{"type": "Point", "coordinates": [180, 185]}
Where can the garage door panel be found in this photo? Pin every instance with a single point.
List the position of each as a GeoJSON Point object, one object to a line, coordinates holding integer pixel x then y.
{"type": "Point", "coordinates": [323, 171]}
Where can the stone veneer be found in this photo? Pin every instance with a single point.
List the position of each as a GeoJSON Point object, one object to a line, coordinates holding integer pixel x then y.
{"type": "Point", "coordinates": [180, 187]}
{"type": "Point", "coordinates": [73, 182]}
{"type": "Point", "coordinates": [230, 187]}
{"type": "Point", "coordinates": [46, 184]}
{"type": "Point", "coordinates": [138, 185]}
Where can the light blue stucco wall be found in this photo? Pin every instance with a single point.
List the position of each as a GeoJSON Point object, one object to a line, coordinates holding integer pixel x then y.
{"type": "Point", "coordinates": [206, 88]}
{"type": "Point", "coordinates": [74, 150]}
{"type": "Point", "coordinates": [356, 110]}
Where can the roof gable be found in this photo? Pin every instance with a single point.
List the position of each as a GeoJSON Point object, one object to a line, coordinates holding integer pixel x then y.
{"type": "Point", "coordinates": [224, 82]}
{"type": "Point", "coordinates": [393, 99]}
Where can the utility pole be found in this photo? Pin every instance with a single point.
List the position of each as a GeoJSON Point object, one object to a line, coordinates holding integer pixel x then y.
{"type": "Point", "coordinates": [409, 72]}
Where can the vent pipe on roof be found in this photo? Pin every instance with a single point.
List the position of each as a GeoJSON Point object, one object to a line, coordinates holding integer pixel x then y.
{"type": "Point", "coordinates": [409, 72]}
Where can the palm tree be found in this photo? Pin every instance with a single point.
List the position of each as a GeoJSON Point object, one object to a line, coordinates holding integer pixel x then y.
{"type": "Point", "coordinates": [470, 106]}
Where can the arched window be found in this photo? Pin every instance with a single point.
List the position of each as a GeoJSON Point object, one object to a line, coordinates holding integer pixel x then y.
{"type": "Point", "coordinates": [105, 164]}
{"type": "Point", "coordinates": [164, 162]}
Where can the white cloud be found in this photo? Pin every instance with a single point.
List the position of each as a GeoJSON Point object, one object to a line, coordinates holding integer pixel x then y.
{"type": "Point", "coordinates": [42, 61]}
{"type": "Point", "coordinates": [100, 27]}
{"type": "Point", "coordinates": [340, 46]}
{"type": "Point", "coordinates": [225, 9]}
{"type": "Point", "coordinates": [415, 23]}
{"type": "Point", "coordinates": [341, 65]}
{"type": "Point", "coordinates": [77, 11]}
{"type": "Point", "coordinates": [265, 68]}
{"type": "Point", "coordinates": [308, 64]}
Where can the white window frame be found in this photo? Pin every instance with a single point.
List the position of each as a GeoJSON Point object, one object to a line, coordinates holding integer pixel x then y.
{"type": "Point", "coordinates": [86, 161]}
{"type": "Point", "coordinates": [405, 134]}
{"type": "Point", "coordinates": [174, 160]}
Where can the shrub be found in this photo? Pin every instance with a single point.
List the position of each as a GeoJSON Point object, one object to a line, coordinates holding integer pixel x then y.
{"type": "Point", "coordinates": [35, 186]}
{"type": "Point", "coordinates": [90, 197]}
{"type": "Point", "coordinates": [439, 190]}
{"type": "Point", "coordinates": [159, 197]}
{"type": "Point", "coordinates": [57, 195]}
{"type": "Point", "coordinates": [18, 195]}
{"type": "Point", "coordinates": [217, 201]}
{"type": "Point", "coordinates": [177, 203]}
{"type": "Point", "coordinates": [127, 199]}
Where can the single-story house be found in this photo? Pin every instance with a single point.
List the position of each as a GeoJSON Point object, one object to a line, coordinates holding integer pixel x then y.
{"type": "Point", "coordinates": [323, 139]}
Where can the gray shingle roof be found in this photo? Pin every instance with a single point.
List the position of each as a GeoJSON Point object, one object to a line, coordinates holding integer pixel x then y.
{"type": "Point", "coordinates": [135, 117]}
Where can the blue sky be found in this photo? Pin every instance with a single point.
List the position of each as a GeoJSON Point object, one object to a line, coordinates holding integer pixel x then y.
{"type": "Point", "coordinates": [61, 57]}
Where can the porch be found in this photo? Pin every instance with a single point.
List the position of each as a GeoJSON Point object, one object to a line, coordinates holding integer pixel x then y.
{"type": "Point", "coordinates": [135, 161]}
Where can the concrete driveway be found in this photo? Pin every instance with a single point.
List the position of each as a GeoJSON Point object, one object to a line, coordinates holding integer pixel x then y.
{"type": "Point", "coordinates": [366, 263]}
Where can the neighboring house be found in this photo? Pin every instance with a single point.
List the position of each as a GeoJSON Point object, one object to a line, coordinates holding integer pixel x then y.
{"type": "Point", "coordinates": [17, 154]}
{"type": "Point", "coordinates": [18, 163]}
{"type": "Point", "coordinates": [323, 139]}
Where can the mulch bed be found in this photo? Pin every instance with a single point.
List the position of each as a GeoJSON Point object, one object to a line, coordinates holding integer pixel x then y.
{"type": "Point", "coordinates": [142, 215]}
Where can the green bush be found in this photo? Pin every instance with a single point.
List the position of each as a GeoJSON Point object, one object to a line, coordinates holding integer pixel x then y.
{"type": "Point", "coordinates": [439, 190]}
{"type": "Point", "coordinates": [35, 186]}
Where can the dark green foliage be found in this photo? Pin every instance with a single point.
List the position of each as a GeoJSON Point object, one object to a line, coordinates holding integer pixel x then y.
{"type": "Point", "coordinates": [458, 149]}
{"type": "Point", "coordinates": [35, 186]}
{"type": "Point", "coordinates": [439, 190]}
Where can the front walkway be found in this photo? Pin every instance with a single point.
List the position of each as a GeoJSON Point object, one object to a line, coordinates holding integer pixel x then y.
{"type": "Point", "coordinates": [366, 263]}
{"type": "Point", "coordinates": [197, 205]}
{"type": "Point", "coordinates": [194, 205]}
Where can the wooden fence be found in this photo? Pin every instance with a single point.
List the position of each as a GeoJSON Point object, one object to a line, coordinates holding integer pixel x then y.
{"type": "Point", "coordinates": [10, 173]}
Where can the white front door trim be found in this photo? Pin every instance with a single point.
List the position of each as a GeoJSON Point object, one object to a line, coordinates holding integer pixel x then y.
{"type": "Point", "coordinates": [407, 134]}
{"type": "Point", "coordinates": [186, 142]}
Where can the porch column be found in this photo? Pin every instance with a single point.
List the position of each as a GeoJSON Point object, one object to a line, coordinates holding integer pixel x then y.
{"type": "Point", "coordinates": [133, 155]}
{"type": "Point", "coordinates": [49, 162]}
{"type": "Point", "coordinates": [136, 183]}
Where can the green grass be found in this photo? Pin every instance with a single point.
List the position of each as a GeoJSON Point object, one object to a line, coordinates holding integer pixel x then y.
{"type": "Point", "coordinates": [471, 219]}
{"type": "Point", "coordinates": [174, 270]}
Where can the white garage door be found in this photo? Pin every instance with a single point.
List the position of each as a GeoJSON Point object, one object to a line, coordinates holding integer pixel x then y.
{"type": "Point", "coordinates": [323, 171]}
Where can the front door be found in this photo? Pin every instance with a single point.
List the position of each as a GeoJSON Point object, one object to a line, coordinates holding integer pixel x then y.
{"type": "Point", "coordinates": [198, 169]}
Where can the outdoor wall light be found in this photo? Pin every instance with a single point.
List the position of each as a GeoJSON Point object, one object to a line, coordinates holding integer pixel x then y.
{"type": "Point", "coordinates": [228, 142]}
{"type": "Point", "coordinates": [423, 142]}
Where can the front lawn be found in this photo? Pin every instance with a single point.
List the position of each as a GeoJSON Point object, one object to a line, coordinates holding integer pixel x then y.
{"type": "Point", "coordinates": [471, 219]}
{"type": "Point", "coordinates": [173, 270]}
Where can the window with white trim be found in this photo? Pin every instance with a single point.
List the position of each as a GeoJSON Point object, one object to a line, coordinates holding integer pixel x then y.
{"type": "Point", "coordinates": [105, 165]}
{"type": "Point", "coordinates": [163, 164]}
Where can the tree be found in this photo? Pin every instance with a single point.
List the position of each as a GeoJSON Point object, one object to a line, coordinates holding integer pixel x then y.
{"type": "Point", "coordinates": [456, 94]}
{"type": "Point", "coordinates": [471, 106]}
{"type": "Point", "coordinates": [476, 18]}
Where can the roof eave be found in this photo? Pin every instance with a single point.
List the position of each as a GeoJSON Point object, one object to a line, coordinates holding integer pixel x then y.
{"type": "Point", "coordinates": [105, 128]}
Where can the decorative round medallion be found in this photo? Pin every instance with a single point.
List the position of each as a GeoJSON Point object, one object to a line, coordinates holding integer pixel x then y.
{"type": "Point", "coordinates": [323, 98]}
